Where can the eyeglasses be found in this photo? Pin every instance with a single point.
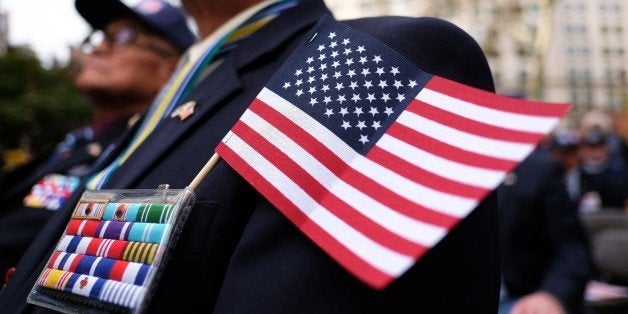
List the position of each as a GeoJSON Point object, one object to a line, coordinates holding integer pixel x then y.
{"type": "Point", "coordinates": [125, 36]}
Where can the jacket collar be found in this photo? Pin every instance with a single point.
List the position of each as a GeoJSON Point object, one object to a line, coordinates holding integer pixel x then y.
{"type": "Point", "coordinates": [278, 31]}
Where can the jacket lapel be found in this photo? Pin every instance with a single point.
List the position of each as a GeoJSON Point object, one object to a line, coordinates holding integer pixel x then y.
{"type": "Point", "coordinates": [222, 82]}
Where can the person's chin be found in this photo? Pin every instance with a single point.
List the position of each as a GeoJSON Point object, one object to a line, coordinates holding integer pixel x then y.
{"type": "Point", "coordinates": [90, 76]}
{"type": "Point", "coordinates": [89, 84]}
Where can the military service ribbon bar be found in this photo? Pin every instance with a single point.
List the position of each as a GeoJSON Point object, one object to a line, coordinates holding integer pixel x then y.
{"type": "Point", "coordinates": [139, 252]}
{"type": "Point", "coordinates": [52, 191]}
{"type": "Point", "coordinates": [111, 291]}
{"type": "Point", "coordinates": [130, 231]}
{"type": "Point", "coordinates": [101, 267]}
{"type": "Point", "coordinates": [152, 213]}
{"type": "Point", "coordinates": [112, 250]}
{"type": "Point", "coordinates": [89, 210]}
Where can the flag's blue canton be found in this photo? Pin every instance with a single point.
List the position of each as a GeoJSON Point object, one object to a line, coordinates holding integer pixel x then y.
{"type": "Point", "coordinates": [353, 84]}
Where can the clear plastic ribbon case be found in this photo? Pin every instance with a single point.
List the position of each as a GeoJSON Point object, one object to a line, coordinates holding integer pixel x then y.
{"type": "Point", "coordinates": [113, 250]}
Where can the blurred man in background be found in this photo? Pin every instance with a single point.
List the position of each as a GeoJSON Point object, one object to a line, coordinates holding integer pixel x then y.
{"type": "Point", "coordinates": [546, 261]}
{"type": "Point", "coordinates": [128, 59]}
{"type": "Point", "coordinates": [563, 146]}
{"type": "Point", "coordinates": [604, 182]}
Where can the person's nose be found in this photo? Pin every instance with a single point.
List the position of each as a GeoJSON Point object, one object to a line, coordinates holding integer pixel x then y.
{"type": "Point", "coordinates": [101, 48]}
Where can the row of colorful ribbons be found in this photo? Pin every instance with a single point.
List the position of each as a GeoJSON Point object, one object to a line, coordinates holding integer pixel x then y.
{"type": "Point", "coordinates": [108, 251]}
{"type": "Point", "coordinates": [138, 212]}
{"type": "Point", "coordinates": [111, 291]}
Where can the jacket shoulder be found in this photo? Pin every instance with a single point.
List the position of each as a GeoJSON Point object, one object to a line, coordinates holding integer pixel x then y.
{"type": "Point", "coordinates": [434, 45]}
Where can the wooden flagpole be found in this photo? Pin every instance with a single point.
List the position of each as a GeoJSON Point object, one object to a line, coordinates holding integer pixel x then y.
{"type": "Point", "coordinates": [204, 172]}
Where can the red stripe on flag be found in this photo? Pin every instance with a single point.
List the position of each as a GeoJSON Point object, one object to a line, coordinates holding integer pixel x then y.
{"type": "Point", "coordinates": [354, 178]}
{"type": "Point", "coordinates": [447, 151]}
{"type": "Point", "coordinates": [353, 263]}
{"type": "Point", "coordinates": [426, 178]}
{"type": "Point", "coordinates": [467, 125]}
{"type": "Point", "coordinates": [499, 102]}
{"type": "Point", "coordinates": [327, 199]}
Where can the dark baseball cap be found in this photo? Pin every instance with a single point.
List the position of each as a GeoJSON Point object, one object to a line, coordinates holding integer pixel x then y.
{"type": "Point", "coordinates": [565, 139]}
{"type": "Point", "coordinates": [160, 16]}
{"type": "Point", "coordinates": [595, 137]}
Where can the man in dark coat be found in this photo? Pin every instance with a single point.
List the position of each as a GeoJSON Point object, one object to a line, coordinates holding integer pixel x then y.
{"type": "Point", "coordinates": [603, 179]}
{"type": "Point", "coordinates": [120, 75]}
{"type": "Point", "coordinates": [239, 254]}
{"type": "Point", "coordinates": [545, 257]}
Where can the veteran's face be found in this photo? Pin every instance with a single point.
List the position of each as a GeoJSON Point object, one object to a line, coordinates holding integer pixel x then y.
{"type": "Point", "coordinates": [128, 61]}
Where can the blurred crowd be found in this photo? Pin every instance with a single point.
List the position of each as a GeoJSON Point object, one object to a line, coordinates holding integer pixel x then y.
{"type": "Point", "coordinates": [594, 156]}
{"type": "Point", "coordinates": [563, 225]}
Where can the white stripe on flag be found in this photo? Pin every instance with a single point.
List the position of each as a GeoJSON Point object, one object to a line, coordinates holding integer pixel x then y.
{"type": "Point", "coordinates": [507, 120]}
{"type": "Point", "coordinates": [479, 177]}
{"type": "Point", "coordinates": [469, 142]}
{"type": "Point", "coordinates": [378, 256]}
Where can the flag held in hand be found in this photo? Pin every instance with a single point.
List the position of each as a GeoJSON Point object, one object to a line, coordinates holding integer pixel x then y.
{"type": "Point", "coordinates": [372, 158]}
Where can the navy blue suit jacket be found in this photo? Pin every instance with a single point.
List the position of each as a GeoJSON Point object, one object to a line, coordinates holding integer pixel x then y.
{"type": "Point", "coordinates": [239, 254]}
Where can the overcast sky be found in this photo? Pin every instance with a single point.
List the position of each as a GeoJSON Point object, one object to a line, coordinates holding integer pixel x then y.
{"type": "Point", "coordinates": [47, 26]}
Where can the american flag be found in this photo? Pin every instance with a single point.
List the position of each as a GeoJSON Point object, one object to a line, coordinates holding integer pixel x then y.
{"type": "Point", "coordinates": [372, 158]}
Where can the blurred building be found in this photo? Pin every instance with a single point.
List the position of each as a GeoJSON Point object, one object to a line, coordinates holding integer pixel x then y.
{"type": "Point", "coordinates": [553, 50]}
